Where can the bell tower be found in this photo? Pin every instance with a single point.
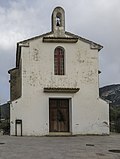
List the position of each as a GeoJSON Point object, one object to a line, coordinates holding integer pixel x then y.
{"type": "Point", "coordinates": [58, 22]}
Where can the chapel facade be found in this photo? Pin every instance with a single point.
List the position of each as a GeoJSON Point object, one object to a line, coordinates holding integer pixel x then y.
{"type": "Point", "coordinates": [54, 87]}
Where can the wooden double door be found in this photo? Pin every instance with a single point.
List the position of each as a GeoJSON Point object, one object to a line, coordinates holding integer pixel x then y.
{"type": "Point", "coordinates": [59, 115]}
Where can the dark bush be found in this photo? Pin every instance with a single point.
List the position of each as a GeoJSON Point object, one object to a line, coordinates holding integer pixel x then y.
{"type": "Point", "coordinates": [5, 126]}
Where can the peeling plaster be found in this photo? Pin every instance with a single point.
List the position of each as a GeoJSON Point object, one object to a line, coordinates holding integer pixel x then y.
{"type": "Point", "coordinates": [36, 54]}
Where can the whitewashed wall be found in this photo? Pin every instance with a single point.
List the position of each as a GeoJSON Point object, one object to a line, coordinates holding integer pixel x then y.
{"type": "Point", "coordinates": [89, 114]}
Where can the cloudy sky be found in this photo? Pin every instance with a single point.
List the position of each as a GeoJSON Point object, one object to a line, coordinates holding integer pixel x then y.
{"type": "Point", "coordinates": [96, 20]}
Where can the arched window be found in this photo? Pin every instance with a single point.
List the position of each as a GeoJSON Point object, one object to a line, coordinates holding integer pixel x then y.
{"type": "Point", "coordinates": [59, 61]}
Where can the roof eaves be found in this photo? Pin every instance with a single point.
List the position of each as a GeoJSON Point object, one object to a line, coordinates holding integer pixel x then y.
{"type": "Point", "coordinates": [36, 37]}
{"type": "Point", "coordinates": [85, 40]}
{"type": "Point", "coordinates": [9, 71]}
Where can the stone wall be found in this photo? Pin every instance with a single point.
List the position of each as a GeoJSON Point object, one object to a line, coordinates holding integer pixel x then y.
{"type": "Point", "coordinates": [15, 84]}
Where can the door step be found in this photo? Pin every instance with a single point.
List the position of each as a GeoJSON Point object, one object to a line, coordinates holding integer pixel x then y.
{"type": "Point", "coordinates": [60, 134]}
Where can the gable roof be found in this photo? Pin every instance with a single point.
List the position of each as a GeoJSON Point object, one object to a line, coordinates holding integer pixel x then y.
{"type": "Point", "coordinates": [85, 40]}
{"type": "Point", "coordinates": [66, 33]}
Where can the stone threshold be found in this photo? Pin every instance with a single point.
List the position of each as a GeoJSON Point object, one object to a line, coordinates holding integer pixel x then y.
{"type": "Point", "coordinates": [54, 134]}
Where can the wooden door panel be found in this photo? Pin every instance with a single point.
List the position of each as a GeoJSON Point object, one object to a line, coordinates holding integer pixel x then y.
{"type": "Point", "coordinates": [59, 115]}
{"type": "Point", "coordinates": [53, 120]}
{"type": "Point", "coordinates": [65, 122]}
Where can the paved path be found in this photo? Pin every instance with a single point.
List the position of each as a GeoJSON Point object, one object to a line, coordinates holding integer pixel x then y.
{"type": "Point", "coordinates": [79, 147]}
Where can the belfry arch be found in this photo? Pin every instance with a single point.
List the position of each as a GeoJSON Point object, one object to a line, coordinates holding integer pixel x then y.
{"type": "Point", "coordinates": [58, 21]}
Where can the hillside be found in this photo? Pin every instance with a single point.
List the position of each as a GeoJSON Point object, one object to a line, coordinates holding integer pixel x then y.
{"type": "Point", "coordinates": [111, 93]}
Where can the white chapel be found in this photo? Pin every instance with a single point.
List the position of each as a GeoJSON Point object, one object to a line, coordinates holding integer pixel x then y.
{"type": "Point", "coordinates": [54, 88]}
